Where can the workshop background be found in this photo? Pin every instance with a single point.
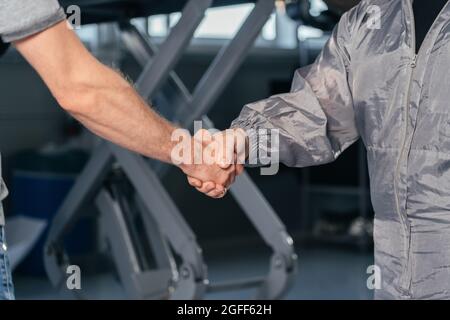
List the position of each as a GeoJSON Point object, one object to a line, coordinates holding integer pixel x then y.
{"type": "Point", "coordinates": [325, 209]}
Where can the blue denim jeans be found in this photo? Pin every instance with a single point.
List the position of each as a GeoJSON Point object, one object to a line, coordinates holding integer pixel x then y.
{"type": "Point", "coordinates": [6, 284]}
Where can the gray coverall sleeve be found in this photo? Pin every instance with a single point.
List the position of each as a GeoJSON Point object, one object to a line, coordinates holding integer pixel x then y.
{"type": "Point", "coordinates": [316, 120]}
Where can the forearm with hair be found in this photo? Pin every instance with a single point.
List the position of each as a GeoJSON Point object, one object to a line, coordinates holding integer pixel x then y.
{"type": "Point", "coordinates": [96, 95]}
{"type": "Point", "coordinates": [113, 110]}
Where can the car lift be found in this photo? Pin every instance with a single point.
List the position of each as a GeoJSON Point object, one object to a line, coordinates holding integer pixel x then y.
{"type": "Point", "coordinates": [164, 226]}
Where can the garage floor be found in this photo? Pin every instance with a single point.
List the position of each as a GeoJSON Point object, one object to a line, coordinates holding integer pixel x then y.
{"type": "Point", "coordinates": [324, 273]}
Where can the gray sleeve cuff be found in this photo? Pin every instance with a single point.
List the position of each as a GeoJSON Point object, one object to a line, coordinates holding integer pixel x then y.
{"type": "Point", "coordinates": [34, 26]}
{"type": "Point", "coordinates": [260, 149]}
{"type": "Point", "coordinates": [247, 126]}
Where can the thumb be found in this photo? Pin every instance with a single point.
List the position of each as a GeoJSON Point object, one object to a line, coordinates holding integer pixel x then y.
{"type": "Point", "coordinates": [223, 164]}
{"type": "Point", "coordinates": [203, 135]}
{"type": "Point", "coordinates": [195, 182]}
{"type": "Point", "coordinates": [226, 149]}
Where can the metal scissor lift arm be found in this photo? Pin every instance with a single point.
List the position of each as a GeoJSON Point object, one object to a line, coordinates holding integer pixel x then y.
{"type": "Point", "coordinates": [284, 260]}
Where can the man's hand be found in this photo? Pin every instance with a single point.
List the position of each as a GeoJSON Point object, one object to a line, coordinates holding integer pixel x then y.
{"type": "Point", "coordinates": [205, 173]}
{"type": "Point", "coordinates": [233, 148]}
{"type": "Point", "coordinates": [230, 150]}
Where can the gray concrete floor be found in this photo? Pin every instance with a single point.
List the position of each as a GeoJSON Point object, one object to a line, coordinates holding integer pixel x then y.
{"type": "Point", "coordinates": [323, 273]}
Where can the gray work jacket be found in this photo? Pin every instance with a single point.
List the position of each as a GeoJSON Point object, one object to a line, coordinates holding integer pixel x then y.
{"type": "Point", "coordinates": [368, 82]}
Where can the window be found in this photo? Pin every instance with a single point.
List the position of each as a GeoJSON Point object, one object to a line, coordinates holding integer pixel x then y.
{"type": "Point", "coordinates": [219, 23]}
{"type": "Point", "coordinates": [223, 23]}
{"type": "Point", "coordinates": [88, 34]}
{"type": "Point", "coordinates": [158, 25]}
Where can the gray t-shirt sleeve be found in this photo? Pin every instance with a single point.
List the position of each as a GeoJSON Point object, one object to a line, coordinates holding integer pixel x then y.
{"type": "Point", "coordinates": [22, 18]}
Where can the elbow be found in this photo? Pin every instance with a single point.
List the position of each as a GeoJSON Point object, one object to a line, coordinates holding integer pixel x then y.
{"type": "Point", "coordinates": [76, 99]}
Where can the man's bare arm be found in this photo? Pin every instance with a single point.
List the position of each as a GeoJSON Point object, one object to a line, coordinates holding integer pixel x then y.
{"type": "Point", "coordinates": [95, 94]}
{"type": "Point", "coordinates": [102, 100]}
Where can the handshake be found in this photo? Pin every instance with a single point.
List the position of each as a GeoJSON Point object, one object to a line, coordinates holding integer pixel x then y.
{"type": "Point", "coordinates": [211, 161]}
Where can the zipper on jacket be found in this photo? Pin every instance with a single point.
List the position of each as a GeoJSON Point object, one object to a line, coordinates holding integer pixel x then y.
{"type": "Point", "coordinates": [414, 61]}
{"type": "Point", "coordinates": [405, 278]}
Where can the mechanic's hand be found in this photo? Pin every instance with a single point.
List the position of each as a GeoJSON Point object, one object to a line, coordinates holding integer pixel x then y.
{"type": "Point", "coordinates": [205, 174]}
{"type": "Point", "coordinates": [232, 147]}
{"type": "Point", "coordinates": [229, 150]}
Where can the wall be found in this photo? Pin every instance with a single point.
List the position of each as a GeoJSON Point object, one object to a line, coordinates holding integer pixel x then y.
{"type": "Point", "coordinates": [29, 116]}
